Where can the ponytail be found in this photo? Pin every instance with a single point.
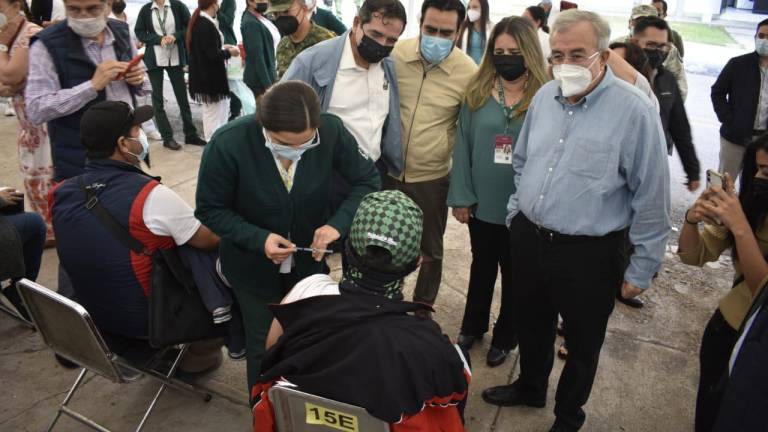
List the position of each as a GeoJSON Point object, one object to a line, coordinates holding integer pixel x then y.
{"type": "Point", "coordinates": [201, 5]}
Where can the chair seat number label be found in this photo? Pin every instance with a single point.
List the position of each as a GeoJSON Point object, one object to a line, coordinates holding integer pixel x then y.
{"type": "Point", "coordinates": [317, 415]}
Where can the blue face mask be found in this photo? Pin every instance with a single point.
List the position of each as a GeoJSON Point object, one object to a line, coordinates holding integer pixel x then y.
{"type": "Point", "coordinates": [290, 152]}
{"type": "Point", "coordinates": [434, 49]}
{"type": "Point", "coordinates": [142, 139]}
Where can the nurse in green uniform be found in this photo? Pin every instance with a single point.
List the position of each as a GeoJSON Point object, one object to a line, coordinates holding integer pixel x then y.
{"type": "Point", "coordinates": [482, 178]}
{"type": "Point", "coordinates": [263, 187]}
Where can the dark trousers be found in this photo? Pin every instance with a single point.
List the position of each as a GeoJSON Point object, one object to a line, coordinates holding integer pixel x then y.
{"type": "Point", "coordinates": [235, 106]}
{"type": "Point", "coordinates": [431, 197]}
{"type": "Point", "coordinates": [715, 353]}
{"type": "Point", "coordinates": [31, 229]}
{"type": "Point", "coordinates": [176, 75]}
{"type": "Point", "coordinates": [490, 251]}
{"type": "Point", "coordinates": [578, 279]}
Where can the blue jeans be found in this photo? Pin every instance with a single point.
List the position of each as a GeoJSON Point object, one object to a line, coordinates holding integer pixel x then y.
{"type": "Point", "coordinates": [31, 228]}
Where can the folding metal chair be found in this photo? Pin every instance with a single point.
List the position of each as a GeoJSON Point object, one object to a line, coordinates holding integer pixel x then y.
{"type": "Point", "coordinates": [10, 311]}
{"type": "Point", "coordinates": [296, 411]}
{"type": "Point", "coordinates": [67, 328]}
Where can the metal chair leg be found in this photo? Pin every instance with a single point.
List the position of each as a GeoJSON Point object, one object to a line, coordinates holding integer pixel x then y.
{"type": "Point", "coordinates": [72, 390]}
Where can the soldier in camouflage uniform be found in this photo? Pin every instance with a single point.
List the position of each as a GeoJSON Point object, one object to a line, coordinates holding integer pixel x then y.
{"type": "Point", "coordinates": [293, 19]}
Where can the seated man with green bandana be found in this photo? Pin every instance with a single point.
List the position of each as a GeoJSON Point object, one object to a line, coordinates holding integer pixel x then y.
{"type": "Point", "coordinates": [327, 337]}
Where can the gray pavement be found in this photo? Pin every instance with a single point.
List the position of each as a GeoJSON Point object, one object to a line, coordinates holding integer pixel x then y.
{"type": "Point", "coordinates": [646, 380]}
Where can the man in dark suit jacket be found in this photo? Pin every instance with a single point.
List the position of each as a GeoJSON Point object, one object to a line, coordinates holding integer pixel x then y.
{"type": "Point", "coordinates": [740, 99]}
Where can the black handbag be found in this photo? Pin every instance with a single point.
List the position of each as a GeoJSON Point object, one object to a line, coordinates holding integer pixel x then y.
{"type": "Point", "coordinates": [176, 310]}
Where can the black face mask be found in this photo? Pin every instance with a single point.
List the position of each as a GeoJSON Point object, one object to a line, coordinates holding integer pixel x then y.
{"type": "Point", "coordinates": [118, 7]}
{"type": "Point", "coordinates": [655, 57]}
{"type": "Point", "coordinates": [287, 25]}
{"type": "Point", "coordinates": [262, 7]}
{"type": "Point", "coordinates": [510, 67]}
{"type": "Point", "coordinates": [372, 51]}
{"type": "Point", "coordinates": [760, 188]}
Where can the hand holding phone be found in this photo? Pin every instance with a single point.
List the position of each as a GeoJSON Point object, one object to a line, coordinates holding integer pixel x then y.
{"type": "Point", "coordinates": [134, 61]}
{"type": "Point", "coordinates": [714, 178]}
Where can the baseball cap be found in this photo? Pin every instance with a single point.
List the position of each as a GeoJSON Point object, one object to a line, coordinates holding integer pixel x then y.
{"type": "Point", "coordinates": [276, 6]}
{"type": "Point", "coordinates": [644, 10]}
{"type": "Point", "coordinates": [104, 122]}
{"type": "Point", "coordinates": [389, 220]}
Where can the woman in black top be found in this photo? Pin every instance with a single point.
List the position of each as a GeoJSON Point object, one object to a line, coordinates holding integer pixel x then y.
{"type": "Point", "coordinates": [207, 66]}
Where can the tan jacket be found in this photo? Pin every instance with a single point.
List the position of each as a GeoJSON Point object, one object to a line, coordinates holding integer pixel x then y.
{"type": "Point", "coordinates": [429, 109]}
{"type": "Point", "coordinates": [714, 241]}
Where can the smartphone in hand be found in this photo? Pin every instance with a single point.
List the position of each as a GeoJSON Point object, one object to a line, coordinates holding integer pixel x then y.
{"type": "Point", "coordinates": [134, 61]}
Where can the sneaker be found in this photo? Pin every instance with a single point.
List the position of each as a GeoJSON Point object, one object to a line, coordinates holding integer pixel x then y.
{"type": "Point", "coordinates": [154, 135]}
{"type": "Point", "coordinates": [237, 356]}
{"type": "Point", "coordinates": [195, 140]}
{"type": "Point", "coordinates": [9, 111]}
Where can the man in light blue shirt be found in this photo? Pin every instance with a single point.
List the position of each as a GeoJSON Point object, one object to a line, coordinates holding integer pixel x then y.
{"type": "Point", "coordinates": [591, 165]}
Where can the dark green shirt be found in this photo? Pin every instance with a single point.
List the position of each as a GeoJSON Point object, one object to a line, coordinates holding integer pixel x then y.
{"type": "Point", "coordinates": [476, 180]}
{"type": "Point", "coordinates": [259, 48]}
{"type": "Point", "coordinates": [226, 17]}
{"type": "Point", "coordinates": [242, 198]}
{"type": "Point", "coordinates": [145, 32]}
{"type": "Point", "coordinates": [326, 18]}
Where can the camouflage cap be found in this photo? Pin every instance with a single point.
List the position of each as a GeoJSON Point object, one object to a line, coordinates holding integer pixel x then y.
{"type": "Point", "coordinates": [390, 220]}
{"type": "Point", "coordinates": [644, 10]}
{"type": "Point", "coordinates": [276, 6]}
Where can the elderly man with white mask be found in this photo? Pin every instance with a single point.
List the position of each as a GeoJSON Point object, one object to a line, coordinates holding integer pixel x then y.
{"type": "Point", "coordinates": [590, 166]}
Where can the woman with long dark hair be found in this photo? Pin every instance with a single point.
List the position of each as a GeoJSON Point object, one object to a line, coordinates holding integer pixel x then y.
{"type": "Point", "coordinates": [475, 29]}
{"type": "Point", "coordinates": [482, 179]}
{"type": "Point", "coordinates": [208, 65]}
{"type": "Point", "coordinates": [738, 223]}
{"type": "Point", "coordinates": [263, 187]}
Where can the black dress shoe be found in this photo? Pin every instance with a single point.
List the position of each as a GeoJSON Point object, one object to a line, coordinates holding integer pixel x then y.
{"type": "Point", "coordinates": [511, 395]}
{"type": "Point", "coordinates": [634, 302]}
{"type": "Point", "coordinates": [466, 341]}
{"type": "Point", "coordinates": [195, 140]}
{"type": "Point", "coordinates": [171, 144]}
{"type": "Point", "coordinates": [559, 426]}
{"type": "Point", "coordinates": [496, 356]}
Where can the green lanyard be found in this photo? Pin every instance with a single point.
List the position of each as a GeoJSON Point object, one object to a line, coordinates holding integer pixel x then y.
{"type": "Point", "coordinates": [162, 20]}
{"type": "Point", "coordinates": [509, 112]}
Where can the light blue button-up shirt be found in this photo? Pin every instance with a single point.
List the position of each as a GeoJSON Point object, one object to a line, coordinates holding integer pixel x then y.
{"type": "Point", "coordinates": [596, 167]}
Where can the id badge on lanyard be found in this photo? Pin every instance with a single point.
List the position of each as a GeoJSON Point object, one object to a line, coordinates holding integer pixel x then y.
{"type": "Point", "coordinates": [504, 144]}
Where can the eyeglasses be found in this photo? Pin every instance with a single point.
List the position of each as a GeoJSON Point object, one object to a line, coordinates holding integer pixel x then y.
{"type": "Point", "coordinates": [665, 47]}
{"type": "Point", "coordinates": [578, 59]}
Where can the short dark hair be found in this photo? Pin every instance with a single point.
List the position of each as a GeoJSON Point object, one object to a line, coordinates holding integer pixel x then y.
{"type": "Point", "coordinates": [539, 14]}
{"type": "Point", "coordinates": [445, 6]}
{"type": "Point", "coordinates": [663, 5]}
{"type": "Point", "coordinates": [635, 57]}
{"type": "Point", "coordinates": [290, 106]}
{"type": "Point", "coordinates": [645, 22]}
{"type": "Point", "coordinates": [760, 24]}
{"type": "Point", "coordinates": [388, 9]}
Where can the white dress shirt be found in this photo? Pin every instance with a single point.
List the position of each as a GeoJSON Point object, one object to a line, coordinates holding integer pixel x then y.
{"type": "Point", "coordinates": [164, 24]}
{"type": "Point", "coordinates": [361, 98]}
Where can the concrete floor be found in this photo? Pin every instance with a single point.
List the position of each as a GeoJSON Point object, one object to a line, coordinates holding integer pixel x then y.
{"type": "Point", "coordinates": [646, 380]}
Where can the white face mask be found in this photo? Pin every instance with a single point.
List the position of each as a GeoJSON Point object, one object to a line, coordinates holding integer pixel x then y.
{"type": "Point", "coordinates": [761, 46]}
{"type": "Point", "coordinates": [87, 27]}
{"type": "Point", "coordinates": [473, 15]}
{"type": "Point", "coordinates": [574, 79]}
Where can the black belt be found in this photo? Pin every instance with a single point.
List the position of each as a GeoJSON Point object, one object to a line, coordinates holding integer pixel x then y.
{"type": "Point", "coordinates": [552, 236]}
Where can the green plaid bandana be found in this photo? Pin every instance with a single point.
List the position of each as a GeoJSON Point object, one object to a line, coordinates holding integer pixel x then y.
{"type": "Point", "coordinates": [390, 220]}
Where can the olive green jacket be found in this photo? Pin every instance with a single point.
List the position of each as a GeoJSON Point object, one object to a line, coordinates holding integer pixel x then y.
{"type": "Point", "coordinates": [242, 198]}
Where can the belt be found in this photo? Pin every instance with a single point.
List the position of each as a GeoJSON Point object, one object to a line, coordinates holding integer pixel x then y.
{"type": "Point", "coordinates": [551, 236]}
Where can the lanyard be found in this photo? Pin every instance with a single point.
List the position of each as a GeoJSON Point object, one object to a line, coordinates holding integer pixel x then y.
{"type": "Point", "coordinates": [509, 112]}
{"type": "Point", "coordinates": [162, 20]}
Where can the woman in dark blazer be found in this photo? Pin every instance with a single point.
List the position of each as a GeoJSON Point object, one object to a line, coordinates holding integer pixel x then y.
{"type": "Point", "coordinates": [263, 187]}
{"type": "Point", "coordinates": [208, 66]}
{"type": "Point", "coordinates": [162, 26]}
{"type": "Point", "coordinates": [259, 47]}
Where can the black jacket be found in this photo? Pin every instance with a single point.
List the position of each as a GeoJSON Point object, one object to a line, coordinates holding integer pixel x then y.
{"type": "Point", "coordinates": [675, 121]}
{"type": "Point", "coordinates": [735, 96]}
{"type": "Point", "coordinates": [745, 402]}
{"type": "Point", "coordinates": [207, 70]}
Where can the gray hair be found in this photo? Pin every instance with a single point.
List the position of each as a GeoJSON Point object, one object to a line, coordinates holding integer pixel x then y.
{"type": "Point", "coordinates": [567, 19]}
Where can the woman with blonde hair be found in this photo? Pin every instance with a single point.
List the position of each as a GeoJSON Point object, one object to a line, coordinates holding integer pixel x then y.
{"type": "Point", "coordinates": [482, 179]}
